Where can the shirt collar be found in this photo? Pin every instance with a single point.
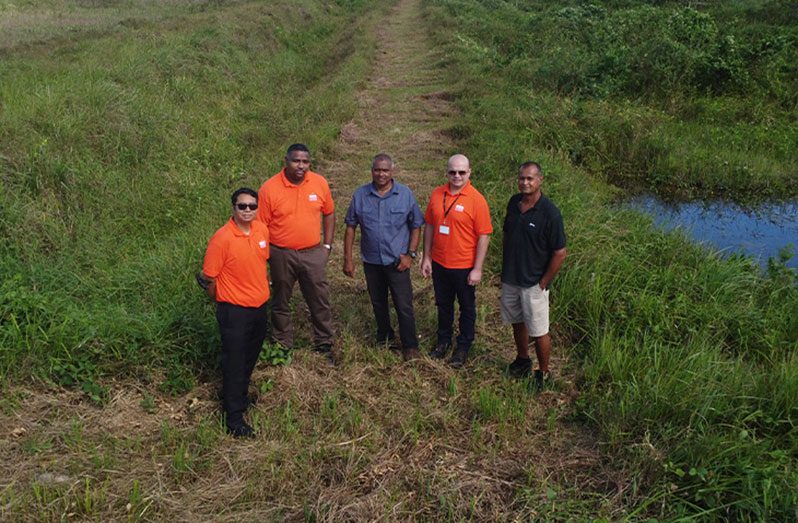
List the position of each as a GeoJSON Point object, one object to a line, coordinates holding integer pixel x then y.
{"type": "Point", "coordinates": [288, 183]}
{"type": "Point", "coordinates": [537, 203]}
{"type": "Point", "coordinates": [394, 190]}
{"type": "Point", "coordinates": [466, 190]}
{"type": "Point", "coordinates": [234, 227]}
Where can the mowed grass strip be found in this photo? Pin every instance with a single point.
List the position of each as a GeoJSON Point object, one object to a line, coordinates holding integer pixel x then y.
{"type": "Point", "coordinates": [689, 360]}
{"type": "Point", "coordinates": [369, 438]}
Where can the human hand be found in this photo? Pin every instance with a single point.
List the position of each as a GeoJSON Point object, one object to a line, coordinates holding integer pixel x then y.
{"type": "Point", "coordinates": [405, 261]}
{"type": "Point", "coordinates": [349, 268]}
{"type": "Point", "coordinates": [474, 277]}
{"type": "Point", "coordinates": [426, 267]}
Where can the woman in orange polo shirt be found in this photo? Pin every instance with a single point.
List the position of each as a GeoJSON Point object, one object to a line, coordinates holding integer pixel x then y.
{"type": "Point", "coordinates": [234, 274]}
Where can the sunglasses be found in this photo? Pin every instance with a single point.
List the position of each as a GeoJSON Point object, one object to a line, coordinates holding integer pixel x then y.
{"type": "Point", "coordinates": [461, 173]}
{"type": "Point", "coordinates": [245, 206]}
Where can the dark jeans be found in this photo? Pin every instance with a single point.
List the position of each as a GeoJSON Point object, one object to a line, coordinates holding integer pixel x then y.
{"type": "Point", "coordinates": [309, 266]}
{"type": "Point", "coordinates": [448, 284]}
{"type": "Point", "coordinates": [243, 330]}
{"type": "Point", "coordinates": [380, 279]}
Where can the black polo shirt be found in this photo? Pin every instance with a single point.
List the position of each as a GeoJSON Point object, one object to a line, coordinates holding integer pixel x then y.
{"type": "Point", "coordinates": [530, 238]}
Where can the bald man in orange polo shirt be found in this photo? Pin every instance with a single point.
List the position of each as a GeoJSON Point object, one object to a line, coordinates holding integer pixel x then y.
{"type": "Point", "coordinates": [455, 244]}
{"type": "Point", "coordinates": [295, 204]}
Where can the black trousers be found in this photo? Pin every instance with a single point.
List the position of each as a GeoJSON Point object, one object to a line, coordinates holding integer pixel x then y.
{"type": "Point", "coordinates": [383, 278]}
{"type": "Point", "coordinates": [243, 330]}
{"type": "Point", "coordinates": [450, 284]}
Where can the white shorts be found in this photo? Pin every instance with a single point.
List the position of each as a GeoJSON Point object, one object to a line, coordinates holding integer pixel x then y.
{"type": "Point", "coordinates": [529, 305]}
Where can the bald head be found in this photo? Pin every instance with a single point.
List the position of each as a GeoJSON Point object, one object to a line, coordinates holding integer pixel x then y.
{"type": "Point", "coordinates": [459, 159]}
{"type": "Point", "coordinates": [458, 170]}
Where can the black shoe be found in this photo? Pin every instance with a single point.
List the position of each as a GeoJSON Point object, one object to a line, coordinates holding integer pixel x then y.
{"type": "Point", "coordinates": [520, 368]}
{"type": "Point", "coordinates": [241, 430]}
{"type": "Point", "coordinates": [458, 359]}
{"type": "Point", "coordinates": [542, 380]}
{"type": "Point", "coordinates": [326, 349]}
{"type": "Point", "coordinates": [410, 354]}
{"type": "Point", "coordinates": [391, 343]}
{"type": "Point", "coordinates": [439, 352]}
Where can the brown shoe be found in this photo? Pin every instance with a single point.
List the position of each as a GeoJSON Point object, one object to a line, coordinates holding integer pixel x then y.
{"type": "Point", "coordinates": [410, 354]}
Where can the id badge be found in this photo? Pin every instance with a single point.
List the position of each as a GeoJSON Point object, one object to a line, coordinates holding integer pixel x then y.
{"type": "Point", "coordinates": [443, 229]}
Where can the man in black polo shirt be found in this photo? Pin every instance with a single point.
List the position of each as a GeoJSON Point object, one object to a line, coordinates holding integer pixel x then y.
{"type": "Point", "coordinates": [533, 251]}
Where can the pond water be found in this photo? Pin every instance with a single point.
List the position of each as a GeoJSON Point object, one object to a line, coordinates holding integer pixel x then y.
{"type": "Point", "coordinates": [761, 232]}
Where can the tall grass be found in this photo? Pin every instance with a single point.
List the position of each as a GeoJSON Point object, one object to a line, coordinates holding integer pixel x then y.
{"type": "Point", "coordinates": [688, 361]}
{"type": "Point", "coordinates": [117, 152]}
{"type": "Point", "coordinates": [688, 103]}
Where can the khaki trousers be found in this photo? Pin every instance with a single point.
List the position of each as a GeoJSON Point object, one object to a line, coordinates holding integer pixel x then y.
{"type": "Point", "coordinates": [286, 266]}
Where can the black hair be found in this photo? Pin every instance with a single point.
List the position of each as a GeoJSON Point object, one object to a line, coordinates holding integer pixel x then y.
{"type": "Point", "coordinates": [297, 147]}
{"type": "Point", "coordinates": [526, 165]}
{"type": "Point", "coordinates": [243, 190]}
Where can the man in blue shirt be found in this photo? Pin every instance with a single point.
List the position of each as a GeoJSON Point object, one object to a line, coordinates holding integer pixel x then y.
{"type": "Point", "coordinates": [390, 224]}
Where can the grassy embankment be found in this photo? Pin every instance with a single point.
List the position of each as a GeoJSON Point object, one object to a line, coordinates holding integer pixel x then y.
{"type": "Point", "coordinates": [690, 368]}
{"type": "Point", "coordinates": [118, 152]}
{"type": "Point", "coordinates": [688, 103]}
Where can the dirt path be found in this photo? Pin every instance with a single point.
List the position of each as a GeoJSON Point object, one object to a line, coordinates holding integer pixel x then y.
{"type": "Point", "coordinates": [369, 438]}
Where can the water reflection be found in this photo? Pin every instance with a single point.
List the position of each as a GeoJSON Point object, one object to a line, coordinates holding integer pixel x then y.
{"type": "Point", "coordinates": [761, 232]}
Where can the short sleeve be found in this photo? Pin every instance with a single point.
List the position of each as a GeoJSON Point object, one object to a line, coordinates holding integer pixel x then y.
{"type": "Point", "coordinates": [482, 223]}
{"type": "Point", "coordinates": [264, 207]}
{"type": "Point", "coordinates": [416, 219]}
{"type": "Point", "coordinates": [214, 257]}
{"type": "Point", "coordinates": [351, 214]}
{"type": "Point", "coordinates": [428, 214]}
{"type": "Point", "coordinates": [328, 206]}
{"type": "Point", "coordinates": [557, 234]}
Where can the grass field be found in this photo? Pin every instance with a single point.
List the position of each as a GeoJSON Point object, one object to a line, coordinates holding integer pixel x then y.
{"type": "Point", "coordinates": [124, 126]}
{"type": "Point", "coordinates": [687, 362]}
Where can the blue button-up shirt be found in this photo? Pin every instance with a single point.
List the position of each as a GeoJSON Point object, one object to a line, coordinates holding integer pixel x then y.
{"type": "Point", "coordinates": [385, 222]}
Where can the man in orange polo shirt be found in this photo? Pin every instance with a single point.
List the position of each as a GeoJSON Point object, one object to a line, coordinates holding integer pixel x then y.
{"type": "Point", "coordinates": [291, 205]}
{"type": "Point", "coordinates": [234, 274]}
{"type": "Point", "coordinates": [455, 244]}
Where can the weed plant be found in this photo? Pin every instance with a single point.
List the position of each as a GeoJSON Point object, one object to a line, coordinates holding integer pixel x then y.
{"type": "Point", "coordinates": [118, 153]}
{"type": "Point", "coordinates": [689, 360]}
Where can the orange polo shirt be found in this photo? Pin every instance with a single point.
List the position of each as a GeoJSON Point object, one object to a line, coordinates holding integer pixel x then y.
{"type": "Point", "coordinates": [292, 212]}
{"type": "Point", "coordinates": [238, 264]}
{"type": "Point", "coordinates": [468, 217]}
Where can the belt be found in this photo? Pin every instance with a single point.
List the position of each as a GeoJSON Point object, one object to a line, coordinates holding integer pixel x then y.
{"type": "Point", "coordinates": [297, 250]}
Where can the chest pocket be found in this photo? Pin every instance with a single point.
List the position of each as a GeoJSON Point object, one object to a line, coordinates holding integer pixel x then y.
{"type": "Point", "coordinates": [398, 217]}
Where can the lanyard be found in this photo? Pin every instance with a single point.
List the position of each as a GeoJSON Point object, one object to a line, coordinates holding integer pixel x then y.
{"type": "Point", "coordinates": [445, 210]}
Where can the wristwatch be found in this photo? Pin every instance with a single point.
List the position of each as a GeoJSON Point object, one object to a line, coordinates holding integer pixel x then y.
{"type": "Point", "coordinates": [412, 254]}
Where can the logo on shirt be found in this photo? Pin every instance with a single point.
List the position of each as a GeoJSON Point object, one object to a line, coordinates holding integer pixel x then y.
{"type": "Point", "coordinates": [312, 197]}
{"type": "Point", "coordinates": [262, 244]}
{"type": "Point", "coordinates": [459, 208]}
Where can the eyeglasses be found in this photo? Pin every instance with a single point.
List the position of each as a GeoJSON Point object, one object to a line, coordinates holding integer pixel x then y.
{"type": "Point", "coordinates": [245, 206]}
{"type": "Point", "coordinates": [461, 173]}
